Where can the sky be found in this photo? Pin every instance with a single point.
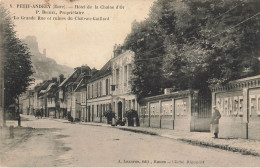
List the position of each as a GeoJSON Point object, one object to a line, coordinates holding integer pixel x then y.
{"type": "Point", "coordinates": [73, 42]}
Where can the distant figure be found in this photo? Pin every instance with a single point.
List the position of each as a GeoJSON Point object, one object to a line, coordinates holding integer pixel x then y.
{"type": "Point", "coordinates": [37, 114]}
{"type": "Point", "coordinates": [41, 112]}
{"type": "Point", "coordinates": [70, 118]}
{"type": "Point", "coordinates": [215, 121]}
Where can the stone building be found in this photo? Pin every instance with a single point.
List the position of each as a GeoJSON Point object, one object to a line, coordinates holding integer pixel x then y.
{"type": "Point", "coordinates": [110, 88]}
{"type": "Point", "coordinates": [122, 97]}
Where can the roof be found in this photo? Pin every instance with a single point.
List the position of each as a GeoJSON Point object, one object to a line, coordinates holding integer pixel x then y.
{"type": "Point", "coordinates": [43, 86]}
{"type": "Point", "coordinates": [123, 54]}
{"type": "Point", "coordinates": [49, 87]}
{"type": "Point", "coordinates": [104, 71]}
{"type": "Point", "coordinates": [65, 81]}
{"type": "Point", "coordinates": [79, 84]}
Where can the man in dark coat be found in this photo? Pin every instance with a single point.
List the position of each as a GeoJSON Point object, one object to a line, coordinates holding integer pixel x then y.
{"type": "Point", "coordinates": [215, 121]}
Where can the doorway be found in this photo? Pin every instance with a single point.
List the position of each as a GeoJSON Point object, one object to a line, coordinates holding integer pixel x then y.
{"type": "Point", "coordinates": [120, 111]}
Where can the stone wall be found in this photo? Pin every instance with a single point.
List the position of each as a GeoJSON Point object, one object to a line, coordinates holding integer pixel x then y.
{"type": "Point", "coordinates": [239, 104]}
{"type": "Point", "coordinates": [172, 111]}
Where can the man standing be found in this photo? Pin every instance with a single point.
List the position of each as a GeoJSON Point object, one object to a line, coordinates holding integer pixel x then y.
{"type": "Point", "coordinates": [215, 121]}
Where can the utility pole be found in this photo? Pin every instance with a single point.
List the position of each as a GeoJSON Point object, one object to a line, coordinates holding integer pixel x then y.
{"type": "Point", "coordinates": [2, 109]}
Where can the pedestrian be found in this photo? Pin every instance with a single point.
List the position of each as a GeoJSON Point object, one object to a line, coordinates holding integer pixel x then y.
{"type": "Point", "coordinates": [215, 121]}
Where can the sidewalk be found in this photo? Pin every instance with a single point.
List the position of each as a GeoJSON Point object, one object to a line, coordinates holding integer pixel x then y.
{"type": "Point", "coordinates": [244, 146]}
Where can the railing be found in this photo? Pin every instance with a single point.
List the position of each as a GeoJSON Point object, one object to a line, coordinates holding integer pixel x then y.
{"type": "Point", "coordinates": [202, 107]}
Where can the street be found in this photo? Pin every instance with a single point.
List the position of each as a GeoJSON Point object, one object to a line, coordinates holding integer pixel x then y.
{"type": "Point", "coordinates": [60, 143]}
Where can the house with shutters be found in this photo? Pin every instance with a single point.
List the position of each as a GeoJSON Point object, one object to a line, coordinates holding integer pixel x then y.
{"type": "Point", "coordinates": [99, 95]}
{"type": "Point", "coordinates": [110, 88]}
{"type": "Point", "coordinates": [122, 97]}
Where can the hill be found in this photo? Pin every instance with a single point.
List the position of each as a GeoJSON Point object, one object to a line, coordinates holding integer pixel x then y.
{"type": "Point", "coordinates": [44, 67]}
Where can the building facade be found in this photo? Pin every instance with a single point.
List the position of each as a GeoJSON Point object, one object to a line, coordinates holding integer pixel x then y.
{"type": "Point", "coordinates": [70, 93]}
{"type": "Point", "coordinates": [122, 97]}
{"type": "Point", "coordinates": [99, 94]}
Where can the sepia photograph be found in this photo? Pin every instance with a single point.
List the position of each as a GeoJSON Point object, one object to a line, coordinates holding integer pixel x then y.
{"type": "Point", "coordinates": [130, 83]}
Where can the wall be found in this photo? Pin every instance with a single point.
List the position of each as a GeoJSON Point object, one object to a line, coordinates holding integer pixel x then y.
{"type": "Point", "coordinates": [254, 113]}
{"type": "Point", "coordinates": [182, 114]}
{"type": "Point", "coordinates": [171, 111]}
{"type": "Point", "coordinates": [230, 105]}
{"type": "Point", "coordinates": [239, 104]}
{"type": "Point", "coordinates": [200, 124]}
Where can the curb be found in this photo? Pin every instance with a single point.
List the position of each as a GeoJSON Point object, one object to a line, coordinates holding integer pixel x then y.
{"type": "Point", "coordinates": [223, 147]}
{"type": "Point", "coordinates": [138, 131]}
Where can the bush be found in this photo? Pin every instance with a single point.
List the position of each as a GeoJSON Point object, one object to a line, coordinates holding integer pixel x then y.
{"type": "Point", "coordinates": [109, 114]}
{"type": "Point", "coordinates": [131, 114]}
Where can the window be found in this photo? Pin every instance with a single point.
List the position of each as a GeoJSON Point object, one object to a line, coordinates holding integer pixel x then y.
{"type": "Point", "coordinates": [125, 76]}
{"type": "Point", "coordinates": [129, 104]}
{"type": "Point", "coordinates": [235, 104]}
{"type": "Point", "coordinates": [88, 92]}
{"type": "Point", "coordinates": [100, 87]}
{"type": "Point", "coordinates": [83, 97]}
{"type": "Point", "coordinates": [107, 86]}
{"type": "Point", "coordinates": [241, 105]}
{"type": "Point", "coordinates": [110, 106]}
{"type": "Point", "coordinates": [97, 90]}
{"type": "Point", "coordinates": [129, 73]}
{"type": "Point", "coordinates": [97, 110]}
{"type": "Point", "coordinates": [117, 76]}
{"type": "Point", "coordinates": [134, 104]}
{"type": "Point", "coordinates": [92, 91]}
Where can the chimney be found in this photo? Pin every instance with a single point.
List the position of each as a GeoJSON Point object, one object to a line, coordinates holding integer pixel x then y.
{"type": "Point", "coordinates": [61, 78]}
{"type": "Point", "coordinates": [78, 70]}
{"type": "Point", "coordinates": [83, 68]}
{"type": "Point", "coordinates": [117, 50]}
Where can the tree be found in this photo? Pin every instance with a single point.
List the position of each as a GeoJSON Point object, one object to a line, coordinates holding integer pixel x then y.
{"type": "Point", "coordinates": [213, 42]}
{"type": "Point", "coordinates": [15, 58]}
{"type": "Point", "coordinates": [199, 43]}
{"type": "Point", "coordinates": [233, 40]}
{"type": "Point", "coordinates": [147, 73]}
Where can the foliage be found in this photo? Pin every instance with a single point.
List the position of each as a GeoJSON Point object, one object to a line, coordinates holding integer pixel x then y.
{"type": "Point", "coordinates": [194, 44]}
{"type": "Point", "coordinates": [147, 77]}
{"type": "Point", "coordinates": [16, 60]}
{"type": "Point", "coordinates": [109, 114]}
{"type": "Point", "coordinates": [130, 114]}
